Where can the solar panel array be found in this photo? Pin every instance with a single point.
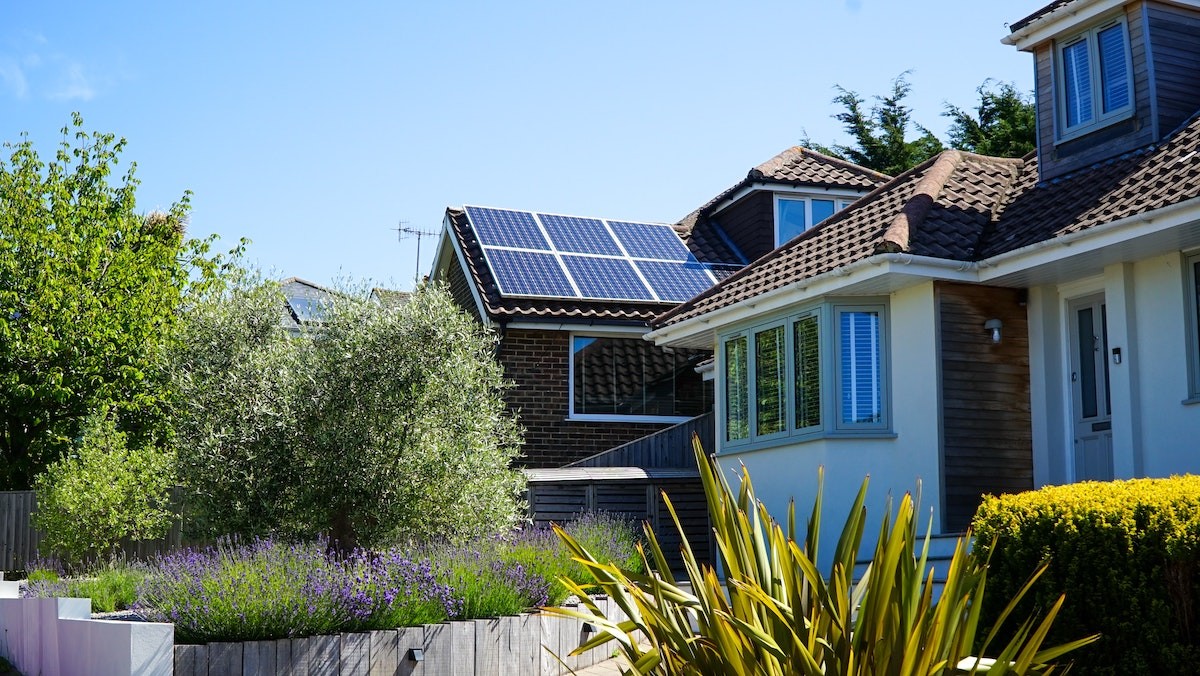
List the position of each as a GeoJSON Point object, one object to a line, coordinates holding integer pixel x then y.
{"type": "Point", "coordinates": [551, 256]}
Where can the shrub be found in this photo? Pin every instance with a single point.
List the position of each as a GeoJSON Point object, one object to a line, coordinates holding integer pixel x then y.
{"type": "Point", "coordinates": [111, 587]}
{"type": "Point", "coordinates": [777, 614]}
{"type": "Point", "coordinates": [1126, 554]}
{"type": "Point", "coordinates": [270, 590]}
{"type": "Point", "coordinates": [103, 492]}
{"type": "Point", "coordinates": [383, 423]}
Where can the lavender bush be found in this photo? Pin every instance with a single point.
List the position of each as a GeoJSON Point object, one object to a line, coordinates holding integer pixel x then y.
{"type": "Point", "coordinates": [268, 590]}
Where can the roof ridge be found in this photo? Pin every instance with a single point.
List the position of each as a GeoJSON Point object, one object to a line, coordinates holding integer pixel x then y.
{"type": "Point", "coordinates": [820, 156]}
{"type": "Point", "coordinates": [918, 205]}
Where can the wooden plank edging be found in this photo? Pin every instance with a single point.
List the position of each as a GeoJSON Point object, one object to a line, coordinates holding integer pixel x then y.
{"type": "Point", "coordinates": [519, 645]}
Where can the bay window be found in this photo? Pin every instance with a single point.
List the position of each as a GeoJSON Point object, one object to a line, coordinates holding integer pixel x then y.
{"type": "Point", "coordinates": [820, 371]}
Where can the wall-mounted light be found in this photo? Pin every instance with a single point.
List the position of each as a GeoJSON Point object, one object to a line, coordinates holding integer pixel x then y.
{"type": "Point", "coordinates": [589, 628]}
{"type": "Point", "coordinates": [993, 325]}
{"type": "Point", "coordinates": [416, 655]}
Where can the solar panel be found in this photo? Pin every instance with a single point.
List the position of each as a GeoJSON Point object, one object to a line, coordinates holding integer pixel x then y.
{"type": "Point", "coordinates": [579, 235]}
{"type": "Point", "coordinates": [647, 240]}
{"type": "Point", "coordinates": [501, 227]}
{"type": "Point", "coordinates": [723, 270]}
{"type": "Point", "coordinates": [612, 278]}
{"type": "Point", "coordinates": [675, 281]}
{"type": "Point", "coordinates": [529, 273]}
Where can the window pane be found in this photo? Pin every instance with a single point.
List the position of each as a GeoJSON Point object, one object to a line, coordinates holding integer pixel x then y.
{"type": "Point", "coordinates": [737, 396]}
{"type": "Point", "coordinates": [861, 386]}
{"type": "Point", "coordinates": [1114, 76]}
{"type": "Point", "coordinates": [792, 220]}
{"type": "Point", "coordinates": [822, 209]}
{"type": "Point", "coordinates": [629, 376]}
{"type": "Point", "coordinates": [807, 358]}
{"type": "Point", "coordinates": [1087, 362]}
{"type": "Point", "coordinates": [1077, 83]}
{"type": "Point", "coordinates": [770, 397]}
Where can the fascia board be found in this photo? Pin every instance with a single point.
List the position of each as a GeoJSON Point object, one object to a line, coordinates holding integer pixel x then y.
{"type": "Point", "coordinates": [448, 233]}
{"type": "Point", "coordinates": [818, 286]}
{"type": "Point", "coordinates": [1045, 27]}
{"type": "Point", "coordinates": [1093, 239]}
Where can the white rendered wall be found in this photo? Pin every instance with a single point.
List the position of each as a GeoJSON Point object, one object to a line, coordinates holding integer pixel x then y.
{"type": "Point", "coordinates": [895, 465]}
{"type": "Point", "coordinates": [1154, 432]}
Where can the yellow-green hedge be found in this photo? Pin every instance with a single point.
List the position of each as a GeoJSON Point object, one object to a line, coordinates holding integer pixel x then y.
{"type": "Point", "coordinates": [1127, 555]}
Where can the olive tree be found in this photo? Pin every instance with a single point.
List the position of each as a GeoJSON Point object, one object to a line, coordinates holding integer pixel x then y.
{"type": "Point", "coordinates": [378, 423]}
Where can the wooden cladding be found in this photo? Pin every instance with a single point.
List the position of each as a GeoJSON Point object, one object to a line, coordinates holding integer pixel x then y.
{"type": "Point", "coordinates": [987, 439]}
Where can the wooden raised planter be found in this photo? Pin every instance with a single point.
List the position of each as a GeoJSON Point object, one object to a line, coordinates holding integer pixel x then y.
{"type": "Point", "coordinates": [521, 645]}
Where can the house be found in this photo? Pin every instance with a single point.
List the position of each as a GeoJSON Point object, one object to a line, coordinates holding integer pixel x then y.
{"type": "Point", "coordinates": [302, 304]}
{"type": "Point", "coordinates": [570, 298]}
{"type": "Point", "coordinates": [983, 325]}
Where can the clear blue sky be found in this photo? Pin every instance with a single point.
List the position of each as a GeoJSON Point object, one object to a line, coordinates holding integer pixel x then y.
{"type": "Point", "coordinates": [315, 128]}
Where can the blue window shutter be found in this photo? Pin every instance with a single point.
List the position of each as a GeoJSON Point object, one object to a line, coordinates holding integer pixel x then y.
{"type": "Point", "coordinates": [1077, 83]}
{"type": "Point", "coordinates": [1114, 73]}
{"type": "Point", "coordinates": [861, 387]}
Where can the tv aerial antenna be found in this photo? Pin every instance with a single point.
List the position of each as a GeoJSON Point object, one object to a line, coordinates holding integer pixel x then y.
{"type": "Point", "coordinates": [405, 231]}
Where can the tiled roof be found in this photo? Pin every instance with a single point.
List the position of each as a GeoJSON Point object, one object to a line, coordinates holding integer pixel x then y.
{"type": "Point", "coordinates": [967, 207]}
{"type": "Point", "coordinates": [941, 208]}
{"type": "Point", "coordinates": [801, 166]}
{"type": "Point", "coordinates": [1018, 25]}
{"type": "Point", "coordinates": [497, 306]}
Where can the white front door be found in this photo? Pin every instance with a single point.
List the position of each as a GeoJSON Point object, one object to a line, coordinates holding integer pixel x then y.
{"type": "Point", "coordinates": [1090, 398]}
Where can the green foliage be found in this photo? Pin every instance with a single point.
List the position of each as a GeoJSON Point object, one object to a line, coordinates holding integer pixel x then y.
{"type": "Point", "coordinates": [89, 291]}
{"type": "Point", "coordinates": [112, 586]}
{"type": "Point", "coordinates": [1126, 554]}
{"type": "Point", "coordinates": [381, 424]}
{"type": "Point", "coordinates": [1004, 124]}
{"type": "Point", "coordinates": [776, 614]}
{"type": "Point", "coordinates": [105, 490]}
{"type": "Point", "coordinates": [881, 134]}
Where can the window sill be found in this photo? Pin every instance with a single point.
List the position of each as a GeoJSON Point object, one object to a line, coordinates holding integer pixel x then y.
{"type": "Point", "coordinates": [776, 442]}
{"type": "Point", "coordinates": [1102, 123]}
{"type": "Point", "coordinates": [1192, 400]}
{"type": "Point", "coordinates": [662, 419]}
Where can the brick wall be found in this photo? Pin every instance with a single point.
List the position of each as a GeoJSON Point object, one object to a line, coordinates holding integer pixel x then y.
{"type": "Point", "coordinates": [538, 362]}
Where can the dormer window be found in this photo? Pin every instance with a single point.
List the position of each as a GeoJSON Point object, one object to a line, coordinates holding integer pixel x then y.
{"type": "Point", "coordinates": [794, 213]}
{"type": "Point", "coordinates": [1094, 83]}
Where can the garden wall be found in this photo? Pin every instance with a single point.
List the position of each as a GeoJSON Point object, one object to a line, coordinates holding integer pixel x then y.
{"type": "Point", "coordinates": [523, 645]}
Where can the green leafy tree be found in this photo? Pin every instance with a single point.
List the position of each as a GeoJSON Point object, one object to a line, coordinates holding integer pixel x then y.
{"type": "Point", "coordinates": [881, 134]}
{"type": "Point", "coordinates": [380, 423]}
{"type": "Point", "coordinates": [89, 292]}
{"type": "Point", "coordinates": [1003, 124]}
{"type": "Point", "coordinates": [103, 491]}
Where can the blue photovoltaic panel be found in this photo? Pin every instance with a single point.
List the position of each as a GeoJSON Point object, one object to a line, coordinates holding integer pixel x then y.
{"type": "Point", "coordinates": [609, 278]}
{"type": "Point", "coordinates": [501, 227]}
{"type": "Point", "coordinates": [646, 240]}
{"type": "Point", "coordinates": [579, 235]}
{"type": "Point", "coordinates": [529, 273]}
{"type": "Point", "coordinates": [675, 281]}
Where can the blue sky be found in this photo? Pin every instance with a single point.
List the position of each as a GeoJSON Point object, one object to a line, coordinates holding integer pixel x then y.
{"type": "Point", "coordinates": [314, 129]}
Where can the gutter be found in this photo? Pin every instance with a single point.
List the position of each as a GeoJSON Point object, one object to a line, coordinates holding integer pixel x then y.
{"type": "Point", "coordinates": [966, 271]}
{"type": "Point", "coordinates": [835, 278]}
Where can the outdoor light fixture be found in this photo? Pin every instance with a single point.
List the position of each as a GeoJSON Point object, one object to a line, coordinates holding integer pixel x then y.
{"type": "Point", "coordinates": [416, 655]}
{"type": "Point", "coordinates": [993, 325]}
{"type": "Point", "coordinates": [588, 628]}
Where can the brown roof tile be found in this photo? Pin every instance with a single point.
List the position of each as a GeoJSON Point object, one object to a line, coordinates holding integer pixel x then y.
{"type": "Point", "coordinates": [941, 208]}
{"type": "Point", "coordinates": [961, 206]}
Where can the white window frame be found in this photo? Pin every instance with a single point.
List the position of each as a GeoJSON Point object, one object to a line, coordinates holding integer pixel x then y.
{"type": "Point", "coordinates": [1099, 118]}
{"type": "Point", "coordinates": [882, 386]}
{"type": "Point", "coordinates": [1191, 297]}
{"type": "Point", "coordinates": [839, 203]}
{"type": "Point", "coordinates": [605, 417]}
{"type": "Point", "coordinates": [829, 354]}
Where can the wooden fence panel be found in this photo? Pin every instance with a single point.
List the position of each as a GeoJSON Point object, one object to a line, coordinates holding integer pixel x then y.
{"type": "Point", "coordinates": [19, 540]}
